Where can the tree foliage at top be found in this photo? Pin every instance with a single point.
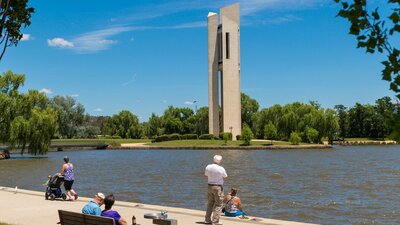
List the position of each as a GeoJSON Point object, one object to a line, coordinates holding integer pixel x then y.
{"type": "Point", "coordinates": [14, 14]}
{"type": "Point", "coordinates": [124, 124]}
{"type": "Point", "coordinates": [70, 115]}
{"type": "Point", "coordinates": [249, 107]}
{"type": "Point", "coordinates": [374, 32]}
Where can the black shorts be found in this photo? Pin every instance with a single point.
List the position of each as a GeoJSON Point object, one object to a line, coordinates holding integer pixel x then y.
{"type": "Point", "coordinates": [68, 184]}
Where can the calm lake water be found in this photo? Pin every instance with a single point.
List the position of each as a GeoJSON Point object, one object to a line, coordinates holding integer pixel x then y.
{"type": "Point", "coordinates": [343, 185]}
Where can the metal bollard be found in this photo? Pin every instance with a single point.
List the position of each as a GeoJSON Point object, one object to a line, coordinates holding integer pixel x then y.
{"type": "Point", "coordinates": [165, 221]}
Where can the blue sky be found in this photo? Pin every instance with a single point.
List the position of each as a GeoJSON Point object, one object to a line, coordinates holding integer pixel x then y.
{"type": "Point", "coordinates": [145, 55]}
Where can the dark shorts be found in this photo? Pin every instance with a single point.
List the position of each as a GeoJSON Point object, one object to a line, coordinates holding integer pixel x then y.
{"type": "Point", "coordinates": [68, 184]}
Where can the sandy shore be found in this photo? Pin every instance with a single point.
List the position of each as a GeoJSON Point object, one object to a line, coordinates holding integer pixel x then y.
{"type": "Point", "coordinates": [24, 207]}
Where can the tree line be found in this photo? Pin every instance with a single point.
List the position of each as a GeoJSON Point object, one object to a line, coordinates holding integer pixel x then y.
{"type": "Point", "coordinates": [30, 120]}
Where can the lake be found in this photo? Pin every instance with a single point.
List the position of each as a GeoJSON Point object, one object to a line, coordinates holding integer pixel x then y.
{"type": "Point", "coordinates": [342, 185]}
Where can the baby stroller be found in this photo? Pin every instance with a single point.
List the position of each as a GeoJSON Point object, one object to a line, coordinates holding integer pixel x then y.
{"type": "Point", "coordinates": [53, 189]}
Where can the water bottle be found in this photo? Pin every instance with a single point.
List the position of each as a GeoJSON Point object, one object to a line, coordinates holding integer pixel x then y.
{"type": "Point", "coordinates": [133, 220]}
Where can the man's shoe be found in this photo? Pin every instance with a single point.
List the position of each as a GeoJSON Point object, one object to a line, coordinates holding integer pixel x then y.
{"type": "Point", "coordinates": [205, 222]}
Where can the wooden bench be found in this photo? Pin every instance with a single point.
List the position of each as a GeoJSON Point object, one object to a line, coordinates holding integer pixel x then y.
{"type": "Point", "coordinates": [74, 218]}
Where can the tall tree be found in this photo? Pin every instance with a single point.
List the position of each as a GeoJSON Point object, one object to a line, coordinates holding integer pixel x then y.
{"type": "Point", "coordinates": [14, 14]}
{"type": "Point", "coordinates": [343, 120]}
{"type": "Point", "coordinates": [125, 124]}
{"type": "Point", "coordinates": [249, 107]}
{"type": "Point", "coordinates": [26, 121]}
{"type": "Point", "coordinates": [70, 114]}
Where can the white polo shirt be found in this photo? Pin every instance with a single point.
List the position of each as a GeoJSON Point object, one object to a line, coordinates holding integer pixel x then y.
{"type": "Point", "coordinates": [215, 174]}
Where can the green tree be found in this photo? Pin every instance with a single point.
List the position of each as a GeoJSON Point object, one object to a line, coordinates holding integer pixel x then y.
{"type": "Point", "coordinates": [331, 125]}
{"type": "Point", "coordinates": [313, 135]}
{"type": "Point", "coordinates": [41, 127]}
{"type": "Point", "coordinates": [201, 121]}
{"type": "Point", "coordinates": [125, 124]}
{"type": "Point", "coordinates": [14, 14]}
{"type": "Point", "coordinates": [294, 138]}
{"type": "Point", "coordinates": [373, 31]}
{"type": "Point", "coordinates": [341, 111]}
{"type": "Point", "coordinates": [70, 115]}
{"type": "Point", "coordinates": [270, 132]}
{"type": "Point", "coordinates": [247, 135]}
{"type": "Point", "coordinates": [249, 107]}
{"type": "Point", "coordinates": [154, 126]}
{"type": "Point", "coordinates": [179, 120]}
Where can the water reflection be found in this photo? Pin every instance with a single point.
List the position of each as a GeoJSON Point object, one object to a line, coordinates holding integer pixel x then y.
{"type": "Point", "coordinates": [345, 185]}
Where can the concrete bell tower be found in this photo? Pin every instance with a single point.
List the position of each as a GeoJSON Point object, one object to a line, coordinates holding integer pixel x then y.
{"type": "Point", "coordinates": [224, 70]}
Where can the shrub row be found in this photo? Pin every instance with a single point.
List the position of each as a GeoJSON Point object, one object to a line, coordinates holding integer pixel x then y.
{"type": "Point", "coordinates": [173, 137]}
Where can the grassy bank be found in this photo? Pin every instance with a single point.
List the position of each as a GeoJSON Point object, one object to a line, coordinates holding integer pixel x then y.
{"type": "Point", "coordinates": [73, 142]}
{"type": "Point", "coordinates": [211, 143]}
{"type": "Point", "coordinates": [176, 143]}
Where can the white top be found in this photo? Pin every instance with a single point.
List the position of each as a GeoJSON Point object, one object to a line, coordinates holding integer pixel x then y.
{"type": "Point", "coordinates": [215, 174]}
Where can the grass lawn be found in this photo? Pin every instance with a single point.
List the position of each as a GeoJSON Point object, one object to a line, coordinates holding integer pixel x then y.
{"type": "Point", "coordinates": [208, 143]}
{"type": "Point", "coordinates": [364, 139]}
{"type": "Point", "coordinates": [95, 141]}
{"type": "Point", "coordinates": [1, 223]}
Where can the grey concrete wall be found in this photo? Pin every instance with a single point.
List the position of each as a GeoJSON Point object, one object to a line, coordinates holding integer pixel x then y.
{"type": "Point", "coordinates": [230, 20]}
{"type": "Point", "coordinates": [213, 100]}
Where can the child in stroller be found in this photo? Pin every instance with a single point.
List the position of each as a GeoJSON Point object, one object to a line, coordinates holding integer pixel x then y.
{"type": "Point", "coordinates": [53, 189]}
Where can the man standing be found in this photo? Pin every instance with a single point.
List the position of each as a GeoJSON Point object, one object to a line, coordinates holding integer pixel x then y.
{"type": "Point", "coordinates": [93, 207]}
{"type": "Point", "coordinates": [216, 175]}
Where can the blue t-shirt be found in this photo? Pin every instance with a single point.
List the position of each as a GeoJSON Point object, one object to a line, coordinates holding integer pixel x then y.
{"type": "Point", "coordinates": [92, 208]}
{"type": "Point", "coordinates": [112, 214]}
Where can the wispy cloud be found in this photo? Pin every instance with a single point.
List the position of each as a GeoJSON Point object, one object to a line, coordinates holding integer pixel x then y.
{"type": "Point", "coordinates": [103, 39]}
{"type": "Point", "coordinates": [249, 7]}
{"type": "Point", "coordinates": [189, 25]}
{"type": "Point", "coordinates": [98, 110]}
{"type": "Point", "coordinates": [59, 42]}
{"type": "Point", "coordinates": [46, 91]}
{"type": "Point", "coordinates": [92, 42]}
{"type": "Point", "coordinates": [164, 101]}
{"type": "Point", "coordinates": [132, 80]}
{"type": "Point", "coordinates": [74, 95]}
{"type": "Point", "coordinates": [99, 40]}
{"type": "Point", "coordinates": [274, 20]}
{"type": "Point", "coordinates": [188, 103]}
{"type": "Point", "coordinates": [26, 37]}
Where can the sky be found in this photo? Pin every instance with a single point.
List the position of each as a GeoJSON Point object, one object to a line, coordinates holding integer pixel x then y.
{"type": "Point", "coordinates": [146, 55]}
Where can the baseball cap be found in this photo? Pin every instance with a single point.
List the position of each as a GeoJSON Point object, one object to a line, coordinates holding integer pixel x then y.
{"type": "Point", "coordinates": [100, 195]}
{"type": "Point", "coordinates": [217, 158]}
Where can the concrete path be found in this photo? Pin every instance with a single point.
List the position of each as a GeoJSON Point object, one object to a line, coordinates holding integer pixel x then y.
{"type": "Point", "coordinates": [24, 207]}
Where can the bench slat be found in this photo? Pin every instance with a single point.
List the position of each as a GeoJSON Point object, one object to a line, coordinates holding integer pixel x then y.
{"type": "Point", "coordinates": [73, 218]}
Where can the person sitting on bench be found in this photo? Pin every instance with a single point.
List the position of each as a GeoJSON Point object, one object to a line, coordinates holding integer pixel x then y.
{"type": "Point", "coordinates": [93, 207]}
{"type": "Point", "coordinates": [107, 212]}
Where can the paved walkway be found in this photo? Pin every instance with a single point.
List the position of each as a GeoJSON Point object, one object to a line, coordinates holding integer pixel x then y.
{"type": "Point", "coordinates": [24, 207]}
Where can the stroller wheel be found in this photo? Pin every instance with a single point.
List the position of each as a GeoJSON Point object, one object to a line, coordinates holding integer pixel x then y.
{"type": "Point", "coordinates": [52, 197]}
{"type": "Point", "coordinates": [64, 196]}
{"type": "Point", "coordinates": [46, 195]}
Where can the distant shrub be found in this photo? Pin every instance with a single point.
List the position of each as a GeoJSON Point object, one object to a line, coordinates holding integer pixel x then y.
{"type": "Point", "coordinates": [247, 135]}
{"type": "Point", "coordinates": [116, 137]}
{"type": "Point", "coordinates": [239, 137]}
{"type": "Point", "coordinates": [312, 135]}
{"type": "Point", "coordinates": [224, 135]}
{"type": "Point", "coordinates": [294, 138]}
{"type": "Point", "coordinates": [207, 137]}
{"type": "Point", "coordinates": [161, 138]}
{"type": "Point", "coordinates": [173, 137]}
{"type": "Point", "coordinates": [189, 137]}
